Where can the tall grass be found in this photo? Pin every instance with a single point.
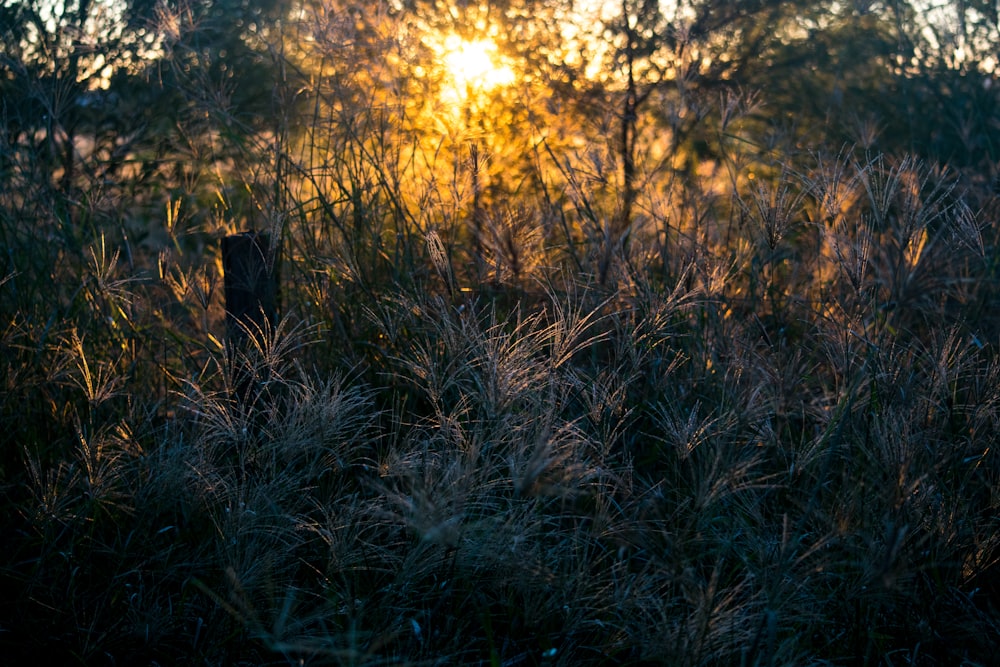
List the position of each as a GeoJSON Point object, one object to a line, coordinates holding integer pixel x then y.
{"type": "Point", "coordinates": [766, 437]}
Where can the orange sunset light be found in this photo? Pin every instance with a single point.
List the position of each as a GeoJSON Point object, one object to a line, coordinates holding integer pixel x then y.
{"type": "Point", "coordinates": [472, 66]}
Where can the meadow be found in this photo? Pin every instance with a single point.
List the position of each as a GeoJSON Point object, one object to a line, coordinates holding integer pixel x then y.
{"type": "Point", "coordinates": [754, 422]}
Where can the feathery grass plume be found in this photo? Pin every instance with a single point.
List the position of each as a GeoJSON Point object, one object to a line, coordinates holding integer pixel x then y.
{"type": "Point", "coordinates": [512, 241]}
{"type": "Point", "coordinates": [255, 481]}
{"type": "Point", "coordinates": [439, 258]}
{"type": "Point", "coordinates": [773, 208]}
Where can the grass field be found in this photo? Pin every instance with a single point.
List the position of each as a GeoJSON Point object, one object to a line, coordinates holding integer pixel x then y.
{"type": "Point", "coordinates": [755, 425]}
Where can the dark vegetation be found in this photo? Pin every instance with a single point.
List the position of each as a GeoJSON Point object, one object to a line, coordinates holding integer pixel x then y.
{"type": "Point", "coordinates": [688, 357]}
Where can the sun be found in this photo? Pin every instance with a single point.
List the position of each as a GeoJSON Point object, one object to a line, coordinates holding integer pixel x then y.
{"type": "Point", "coordinates": [475, 64]}
{"type": "Point", "coordinates": [471, 67]}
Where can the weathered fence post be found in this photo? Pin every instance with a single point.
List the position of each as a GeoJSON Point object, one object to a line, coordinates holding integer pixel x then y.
{"type": "Point", "coordinates": [250, 282]}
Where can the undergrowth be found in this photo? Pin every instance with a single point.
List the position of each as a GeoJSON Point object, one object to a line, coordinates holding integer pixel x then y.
{"type": "Point", "coordinates": [758, 430]}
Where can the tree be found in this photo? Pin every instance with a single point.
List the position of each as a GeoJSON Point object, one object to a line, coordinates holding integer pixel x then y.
{"type": "Point", "coordinates": [663, 67]}
{"type": "Point", "coordinates": [99, 95]}
{"type": "Point", "coordinates": [947, 66]}
{"type": "Point", "coordinates": [61, 61]}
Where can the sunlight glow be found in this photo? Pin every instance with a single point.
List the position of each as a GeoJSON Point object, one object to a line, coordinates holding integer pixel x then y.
{"type": "Point", "coordinates": [473, 67]}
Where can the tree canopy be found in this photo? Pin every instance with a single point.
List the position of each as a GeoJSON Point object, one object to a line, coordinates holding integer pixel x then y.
{"type": "Point", "coordinates": [633, 90]}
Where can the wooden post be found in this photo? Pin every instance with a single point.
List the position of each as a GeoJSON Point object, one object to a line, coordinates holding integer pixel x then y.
{"type": "Point", "coordinates": [250, 284]}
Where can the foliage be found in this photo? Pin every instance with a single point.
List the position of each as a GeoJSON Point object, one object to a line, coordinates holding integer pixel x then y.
{"type": "Point", "coordinates": [751, 422]}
